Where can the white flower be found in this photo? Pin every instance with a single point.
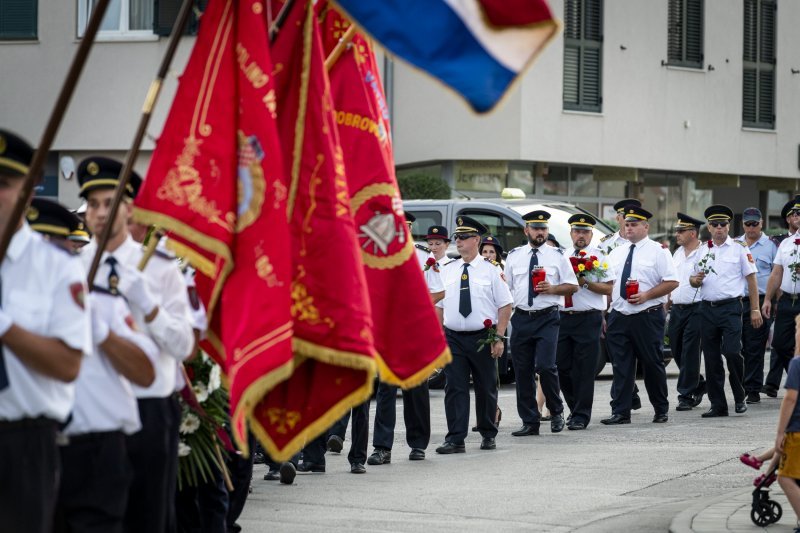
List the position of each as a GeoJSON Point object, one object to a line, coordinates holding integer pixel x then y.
{"type": "Point", "coordinates": [183, 449]}
{"type": "Point", "coordinates": [189, 424]}
{"type": "Point", "coordinates": [201, 392]}
{"type": "Point", "coordinates": [214, 379]}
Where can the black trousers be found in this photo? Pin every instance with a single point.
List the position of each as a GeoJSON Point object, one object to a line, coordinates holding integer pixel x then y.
{"type": "Point", "coordinates": [578, 350]}
{"type": "Point", "coordinates": [29, 470]}
{"type": "Point", "coordinates": [241, 469]}
{"type": "Point", "coordinates": [95, 477]}
{"type": "Point", "coordinates": [314, 451]}
{"type": "Point", "coordinates": [416, 414]}
{"type": "Point", "coordinates": [204, 508]}
{"type": "Point", "coordinates": [754, 344]}
{"type": "Point", "coordinates": [722, 337]}
{"type": "Point", "coordinates": [466, 359]}
{"type": "Point", "coordinates": [533, 350]}
{"type": "Point", "coordinates": [359, 432]}
{"type": "Point", "coordinates": [782, 339]}
{"type": "Point", "coordinates": [153, 453]}
{"type": "Point", "coordinates": [628, 337]}
{"type": "Point", "coordinates": [684, 339]}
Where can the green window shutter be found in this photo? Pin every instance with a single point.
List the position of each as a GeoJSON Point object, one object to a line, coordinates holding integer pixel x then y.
{"type": "Point", "coordinates": [759, 58]}
{"type": "Point", "coordinates": [685, 33]}
{"type": "Point", "coordinates": [675, 31]}
{"type": "Point", "coordinates": [18, 19]}
{"type": "Point", "coordinates": [166, 12]}
{"type": "Point", "coordinates": [766, 98]}
{"type": "Point", "coordinates": [694, 33]}
{"type": "Point", "coordinates": [749, 108]}
{"type": "Point", "coordinates": [767, 30]}
{"type": "Point", "coordinates": [583, 37]}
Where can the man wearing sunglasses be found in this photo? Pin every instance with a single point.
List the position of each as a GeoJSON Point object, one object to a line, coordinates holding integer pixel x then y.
{"type": "Point", "coordinates": [725, 268]}
{"type": "Point", "coordinates": [474, 294]}
{"type": "Point", "coordinates": [787, 307]}
{"type": "Point", "coordinates": [754, 340]}
{"type": "Point", "coordinates": [684, 315]}
{"type": "Point", "coordinates": [791, 217]}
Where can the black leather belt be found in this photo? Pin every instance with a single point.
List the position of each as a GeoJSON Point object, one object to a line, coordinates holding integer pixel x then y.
{"type": "Point", "coordinates": [580, 312]}
{"type": "Point", "coordinates": [789, 296]}
{"type": "Point", "coordinates": [686, 306]}
{"type": "Point", "coordinates": [538, 312]}
{"type": "Point", "coordinates": [25, 423]}
{"type": "Point", "coordinates": [474, 332]}
{"type": "Point", "coordinates": [651, 309]}
{"type": "Point", "coordinates": [726, 301]}
{"type": "Point", "coordinates": [86, 438]}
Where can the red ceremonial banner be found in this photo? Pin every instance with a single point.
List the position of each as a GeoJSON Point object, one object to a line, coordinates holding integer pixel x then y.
{"type": "Point", "coordinates": [332, 321]}
{"type": "Point", "coordinates": [217, 185]}
{"type": "Point", "coordinates": [392, 269]}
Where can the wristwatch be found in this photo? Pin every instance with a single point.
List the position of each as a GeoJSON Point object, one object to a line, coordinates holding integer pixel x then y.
{"type": "Point", "coordinates": [585, 284]}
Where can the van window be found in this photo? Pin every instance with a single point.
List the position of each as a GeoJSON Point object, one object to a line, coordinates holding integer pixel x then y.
{"type": "Point", "coordinates": [507, 230]}
{"type": "Point", "coordinates": [425, 219]}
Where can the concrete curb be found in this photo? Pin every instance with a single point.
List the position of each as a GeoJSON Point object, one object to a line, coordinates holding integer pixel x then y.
{"type": "Point", "coordinates": [682, 523]}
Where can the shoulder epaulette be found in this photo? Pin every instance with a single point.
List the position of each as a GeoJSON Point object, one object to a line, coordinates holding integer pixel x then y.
{"type": "Point", "coordinates": [778, 239]}
{"type": "Point", "coordinates": [514, 250]}
{"type": "Point", "coordinates": [604, 239]}
{"type": "Point", "coordinates": [560, 250]}
{"type": "Point", "coordinates": [164, 255]}
{"type": "Point", "coordinates": [423, 248]}
{"type": "Point", "coordinates": [740, 242]}
{"type": "Point", "coordinates": [451, 261]}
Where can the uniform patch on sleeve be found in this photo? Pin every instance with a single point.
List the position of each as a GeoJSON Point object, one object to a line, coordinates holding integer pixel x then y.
{"type": "Point", "coordinates": [78, 294]}
{"type": "Point", "coordinates": [750, 258]}
{"type": "Point", "coordinates": [130, 323]}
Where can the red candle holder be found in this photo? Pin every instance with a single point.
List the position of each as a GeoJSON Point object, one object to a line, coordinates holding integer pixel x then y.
{"type": "Point", "coordinates": [631, 288]}
{"type": "Point", "coordinates": [537, 276]}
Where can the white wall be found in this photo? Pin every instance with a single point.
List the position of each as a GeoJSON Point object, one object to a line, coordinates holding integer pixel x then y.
{"type": "Point", "coordinates": [645, 104]}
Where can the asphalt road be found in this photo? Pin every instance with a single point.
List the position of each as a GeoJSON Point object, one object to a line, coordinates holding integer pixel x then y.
{"type": "Point", "coordinates": [635, 477]}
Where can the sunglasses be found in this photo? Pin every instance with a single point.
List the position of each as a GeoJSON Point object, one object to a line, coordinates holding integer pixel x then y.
{"type": "Point", "coordinates": [794, 213]}
{"type": "Point", "coordinates": [462, 237]}
{"type": "Point", "coordinates": [751, 223]}
{"type": "Point", "coordinates": [718, 224]}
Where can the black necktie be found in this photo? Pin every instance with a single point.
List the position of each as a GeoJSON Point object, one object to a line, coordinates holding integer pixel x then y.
{"type": "Point", "coordinates": [534, 262]}
{"type": "Point", "coordinates": [113, 276]}
{"type": "Point", "coordinates": [626, 272]}
{"type": "Point", "coordinates": [3, 372]}
{"type": "Point", "coordinates": [464, 302]}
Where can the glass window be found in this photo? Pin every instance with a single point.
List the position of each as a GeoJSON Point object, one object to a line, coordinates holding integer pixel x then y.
{"type": "Point", "coordinates": [123, 17]}
{"type": "Point", "coordinates": [685, 33]}
{"type": "Point", "coordinates": [481, 176]}
{"type": "Point", "coordinates": [612, 189]}
{"type": "Point", "coordinates": [508, 231]}
{"type": "Point", "coordinates": [582, 183]}
{"type": "Point", "coordinates": [556, 181]}
{"type": "Point", "coordinates": [521, 178]}
{"type": "Point", "coordinates": [424, 220]}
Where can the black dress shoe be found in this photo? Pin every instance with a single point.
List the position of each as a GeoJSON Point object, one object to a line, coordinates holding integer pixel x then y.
{"type": "Point", "coordinates": [770, 391]}
{"type": "Point", "coordinates": [698, 398]}
{"type": "Point", "coordinates": [449, 447]}
{"type": "Point", "coordinates": [576, 425]}
{"type": "Point", "coordinates": [753, 397]}
{"type": "Point", "coordinates": [475, 428]}
{"type": "Point", "coordinates": [526, 430]}
{"type": "Point", "coordinates": [545, 418]}
{"type": "Point", "coordinates": [380, 457]}
{"type": "Point", "coordinates": [636, 403]}
{"type": "Point", "coordinates": [615, 420]}
{"type": "Point", "coordinates": [660, 418]}
{"type": "Point", "coordinates": [557, 423]}
{"type": "Point", "coordinates": [335, 444]}
{"type": "Point", "coordinates": [272, 475]}
{"type": "Point", "coordinates": [488, 443]}
{"type": "Point", "coordinates": [416, 455]}
{"type": "Point", "coordinates": [740, 407]}
{"type": "Point", "coordinates": [357, 468]}
{"type": "Point", "coordinates": [288, 472]}
{"type": "Point", "coordinates": [310, 467]}
{"type": "Point", "coordinates": [713, 413]}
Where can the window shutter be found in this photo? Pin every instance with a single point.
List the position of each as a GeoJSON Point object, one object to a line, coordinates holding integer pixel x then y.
{"type": "Point", "coordinates": [590, 86]}
{"type": "Point", "coordinates": [766, 98]}
{"type": "Point", "coordinates": [750, 31]}
{"type": "Point", "coordinates": [18, 19]}
{"type": "Point", "coordinates": [572, 67]}
{"type": "Point", "coordinates": [694, 32]}
{"type": "Point", "coordinates": [593, 20]}
{"type": "Point", "coordinates": [749, 77]}
{"type": "Point", "coordinates": [166, 12]}
{"type": "Point", "coordinates": [767, 29]}
{"type": "Point", "coordinates": [675, 31]}
{"type": "Point", "coordinates": [572, 19]}
{"type": "Point", "coordinates": [583, 37]}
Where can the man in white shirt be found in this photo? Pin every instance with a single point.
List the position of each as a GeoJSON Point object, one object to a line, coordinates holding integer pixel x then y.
{"type": "Point", "coordinates": [475, 294]}
{"type": "Point", "coordinates": [44, 334]}
{"type": "Point", "coordinates": [160, 309]}
{"type": "Point", "coordinates": [723, 267]}
{"type": "Point", "coordinates": [581, 318]}
{"type": "Point", "coordinates": [616, 239]}
{"type": "Point", "coordinates": [636, 321]}
{"type": "Point", "coordinates": [534, 335]}
{"type": "Point", "coordinates": [684, 315]}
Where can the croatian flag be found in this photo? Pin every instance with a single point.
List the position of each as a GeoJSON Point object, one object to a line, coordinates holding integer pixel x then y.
{"type": "Point", "coordinates": [477, 47]}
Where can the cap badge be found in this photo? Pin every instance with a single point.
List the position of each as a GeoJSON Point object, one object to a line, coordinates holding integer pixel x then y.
{"type": "Point", "coordinates": [93, 168]}
{"type": "Point", "coordinates": [460, 221]}
{"type": "Point", "coordinates": [3, 144]}
{"type": "Point", "coordinates": [541, 217]}
{"type": "Point", "coordinates": [435, 230]}
{"type": "Point", "coordinates": [33, 214]}
{"type": "Point", "coordinates": [583, 220]}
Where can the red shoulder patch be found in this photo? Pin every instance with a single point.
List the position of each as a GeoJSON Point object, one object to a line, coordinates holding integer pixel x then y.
{"type": "Point", "coordinates": [78, 294]}
{"type": "Point", "coordinates": [750, 258]}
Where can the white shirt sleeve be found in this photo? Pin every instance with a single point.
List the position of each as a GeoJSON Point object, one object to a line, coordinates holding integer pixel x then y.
{"type": "Point", "coordinates": [172, 328]}
{"type": "Point", "coordinates": [434, 280]}
{"type": "Point", "coordinates": [70, 319]}
{"type": "Point", "coordinates": [500, 290]}
{"type": "Point", "coordinates": [666, 268]}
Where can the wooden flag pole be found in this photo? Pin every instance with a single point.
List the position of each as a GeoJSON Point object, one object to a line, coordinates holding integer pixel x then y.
{"type": "Point", "coordinates": [280, 20]}
{"type": "Point", "coordinates": [133, 153]}
{"type": "Point", "coordinates": [341, 46]}
{"type": "Point", "coordinates": [54, 123]}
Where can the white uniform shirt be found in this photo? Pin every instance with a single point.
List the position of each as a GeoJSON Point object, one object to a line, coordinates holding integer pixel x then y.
{"type": "Point", "coordinates": [651, 265]}
{"type": "Point", "coordinates": [104, 400]}
{"type": "Point", "coordinates": [171, 329]}
{"type": "Point", "coordinates": [557, 269]}
{"type": "Point", "coordinates": [732, 261]}
{"type": "Point", "coordinates": [584, 299]}
{"type": "Point", "coordinates": [610, 242]}
{"type": "Point", "coordinates": [488, 293]}
{"type": "Point", "coordinates": [433, 277]}
{"type": "Point", "coordinates": [788, 253]}
{"type": "Point", "coordinates": [684, 265]}
{"type": "Point", "coordinates": [42, 290]}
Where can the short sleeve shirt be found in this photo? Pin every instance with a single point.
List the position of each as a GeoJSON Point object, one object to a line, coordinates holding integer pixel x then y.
{"type": "Point", "coordinates": [651, 264]}
{"type": "Point", "coordinates": [684, 266]}
{"type": "Point", "coordinates": [432, 276]}
{"type": "Point", "coordinates": [557, 267]}
{"type": "Point", "coordinates": [788, 253]}
{"type": "Point", "coordinates": [763, 252]}
{"type": "Point", "coordinates": [488, 293]}
{"type": "Point", "coordinates": [793, 383]}
{"type": "Point", "coordinates": [732, 263]}
{"type": "Point", "coordinates": [584, 299]}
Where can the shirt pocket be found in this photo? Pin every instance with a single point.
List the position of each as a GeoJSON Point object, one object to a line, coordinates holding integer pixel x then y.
{"type": "Point", "coordinates": [763, 265]}
{"type": "Point", "coordinates": [482, 288]}
{"type": "Point", "coordinates": [28, 310]}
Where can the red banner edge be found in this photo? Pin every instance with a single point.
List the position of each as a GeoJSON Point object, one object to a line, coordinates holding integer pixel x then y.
{"type": "Point", "coordinates": [388, 376]}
